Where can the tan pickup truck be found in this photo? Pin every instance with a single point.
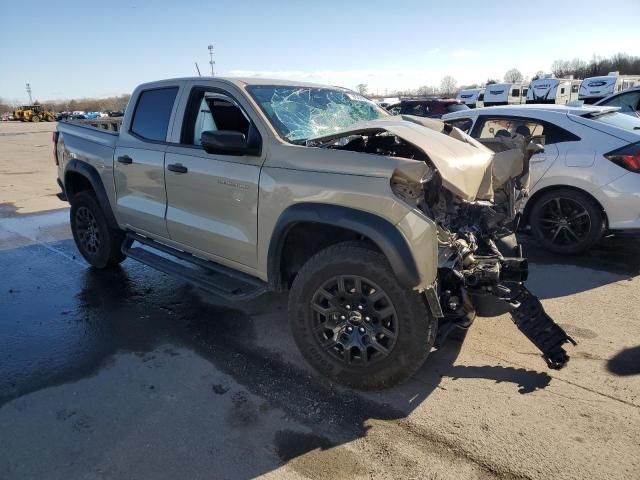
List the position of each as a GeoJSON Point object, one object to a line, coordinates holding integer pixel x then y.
{"type": "Point", "coordinates": [389, 231]}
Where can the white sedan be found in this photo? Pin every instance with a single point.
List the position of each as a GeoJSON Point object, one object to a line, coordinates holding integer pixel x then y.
{"type": "Point", "coordinates": [586, 181]}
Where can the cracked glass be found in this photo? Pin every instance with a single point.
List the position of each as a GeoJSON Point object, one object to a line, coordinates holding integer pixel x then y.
{"type": "Point", "coordinates": [302, 113]}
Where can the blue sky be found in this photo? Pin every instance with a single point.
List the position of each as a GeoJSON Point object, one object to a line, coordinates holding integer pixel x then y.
{"type": "Point", "coordinates": [107, 48]}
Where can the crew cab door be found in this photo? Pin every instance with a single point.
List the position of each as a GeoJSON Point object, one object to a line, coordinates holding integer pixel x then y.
{"type": "Point", "coordinates": [212, 199]}
{"type": "Point", "coordinates": [139, 161]}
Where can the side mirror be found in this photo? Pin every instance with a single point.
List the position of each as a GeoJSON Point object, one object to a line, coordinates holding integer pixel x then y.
{"type": "Point", "coordinates": [225, 142]}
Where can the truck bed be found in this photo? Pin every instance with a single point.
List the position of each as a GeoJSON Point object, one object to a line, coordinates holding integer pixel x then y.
{"type": "Point", "coordinates": [111, 124]}
{"type": "Point", "coordinates": [100, 131]}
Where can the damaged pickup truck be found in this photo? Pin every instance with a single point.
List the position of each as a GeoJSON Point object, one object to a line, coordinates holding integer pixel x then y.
{"type": "Point", "coordinates": [388, 231]}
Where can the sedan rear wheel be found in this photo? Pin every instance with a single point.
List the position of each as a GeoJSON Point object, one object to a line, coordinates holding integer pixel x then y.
{"type": "Point", "coordinates": [566, 221]}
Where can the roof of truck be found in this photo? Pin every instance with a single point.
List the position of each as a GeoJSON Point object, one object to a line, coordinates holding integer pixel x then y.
{"type": "Point", "coordinates": [243, 81]}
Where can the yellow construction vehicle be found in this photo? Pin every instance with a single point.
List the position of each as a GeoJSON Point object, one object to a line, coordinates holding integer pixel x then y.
{"type": "Point", "coordinates": [34, 113]}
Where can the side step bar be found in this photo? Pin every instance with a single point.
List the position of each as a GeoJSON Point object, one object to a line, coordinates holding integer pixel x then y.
{"type": "Point", "coordinates": [209, 276]}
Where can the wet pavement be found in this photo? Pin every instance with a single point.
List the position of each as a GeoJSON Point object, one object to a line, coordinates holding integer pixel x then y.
{"type": "Point", "coordinates": [129, 373]}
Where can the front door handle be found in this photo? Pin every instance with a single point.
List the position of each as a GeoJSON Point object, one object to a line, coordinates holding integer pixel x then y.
{"type": "Point", "coordinates": [125, 159]}
{"type": "Point", "coordinates": [177, 168]}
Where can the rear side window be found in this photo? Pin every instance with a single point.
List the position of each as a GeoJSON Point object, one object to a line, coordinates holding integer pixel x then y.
{"type": "Point", "coordinates": [153, 110]}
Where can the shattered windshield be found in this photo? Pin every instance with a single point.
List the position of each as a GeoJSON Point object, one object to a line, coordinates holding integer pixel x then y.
{"type": "Point", "coordinates": [301, 113]}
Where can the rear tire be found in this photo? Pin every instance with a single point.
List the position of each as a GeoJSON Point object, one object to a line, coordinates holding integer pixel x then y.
{"type": "Point", "coordinates": [98, 243]}
{"type": "Point", "coordinates": [566, 221]}
{"type": "Point", "coordinates": [354, 322]}
{"type": "Point", "coordinates": [35, 118]}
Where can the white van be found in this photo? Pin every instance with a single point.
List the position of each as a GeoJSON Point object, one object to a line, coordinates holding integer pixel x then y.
{"type": "Point", "coordinates": [505, 94]}
{"type": "Point", "coordinates": [472, 97]}
{"type": "Point", "coordinates": [553, 90]}
{"type": "Point", "coordinates": [593, 89]}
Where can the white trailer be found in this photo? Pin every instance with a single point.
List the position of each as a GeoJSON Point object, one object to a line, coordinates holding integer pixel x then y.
{"type": "Point", "coordinates": [505, 94]}
{"type": "Point", "coordinates": [549, 89]}
{"type": "Point", "coordinates": [472, 97]}
{"type": "Point", "coordinates": [593, 89]}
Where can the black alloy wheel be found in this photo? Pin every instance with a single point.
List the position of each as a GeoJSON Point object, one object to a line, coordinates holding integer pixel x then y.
{"type": "Point", "coordinates": [88, 231]}
{"type": "Point", "coordinates": [566, 221]}
{"type": "Point", "coordinates": [354, 320]}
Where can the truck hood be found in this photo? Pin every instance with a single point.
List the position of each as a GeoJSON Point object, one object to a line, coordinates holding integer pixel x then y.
{"type": "Point", "coordinates": [464, 164]}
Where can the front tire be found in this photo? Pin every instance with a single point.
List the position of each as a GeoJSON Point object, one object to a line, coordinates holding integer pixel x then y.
{"type": "Point", "coordinates": [99, 244]}
{"type": "Point", "coordinates": [354, 322]}
{"type": "Point", "coordinates": [566, 221]}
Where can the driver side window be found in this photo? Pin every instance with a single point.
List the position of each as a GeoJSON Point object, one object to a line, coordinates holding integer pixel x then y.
{"type": "Point", "coordinates": [211, 111]}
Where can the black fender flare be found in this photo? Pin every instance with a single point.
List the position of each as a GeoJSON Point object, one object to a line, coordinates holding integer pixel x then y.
{"type": "Point", "coordinates": [380, 231]}
{"type": "Point", "coordinates": [92, 175]}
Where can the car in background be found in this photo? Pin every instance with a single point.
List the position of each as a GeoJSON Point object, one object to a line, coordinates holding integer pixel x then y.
{"type": "Point", "coordinates": [118, 113]}
{"type": "Point", "coordinates": [427, 107]}
{"type": "Point", "coordinates": [587, 180]}
{"type": "Point", "coordinates": [628, 101]}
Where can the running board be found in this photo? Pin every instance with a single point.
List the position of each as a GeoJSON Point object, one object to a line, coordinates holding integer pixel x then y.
{"type": "Point", "coordinates": [209, 276]}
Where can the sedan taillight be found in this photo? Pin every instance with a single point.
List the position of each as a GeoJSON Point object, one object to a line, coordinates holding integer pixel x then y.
{"type": "Point", "coordinates": [627, 157]}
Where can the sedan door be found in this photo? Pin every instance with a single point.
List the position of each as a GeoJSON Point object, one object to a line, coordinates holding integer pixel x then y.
{"type": "Point", "coordinates": [495, 126]}
{"type": "Point", "coordinates": [212, 199]}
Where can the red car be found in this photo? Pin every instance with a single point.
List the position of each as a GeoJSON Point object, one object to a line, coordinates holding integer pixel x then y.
{"type": "Point", "coordinates": [427, 107]}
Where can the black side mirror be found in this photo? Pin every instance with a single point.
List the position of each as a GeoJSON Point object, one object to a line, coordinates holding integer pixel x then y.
{"type": "Point", "coordinates": [225, 142]}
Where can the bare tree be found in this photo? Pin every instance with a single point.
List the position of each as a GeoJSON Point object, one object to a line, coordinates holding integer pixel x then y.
{"type": "Point", "coordinates": [362, 88]}
{"type": "Point", "coordinates": [426, 90]}
{"type": "Point", "coordinates": [620, 62]}
{"type": "Point", "coordinates": [448, 85]}
{"type": "Point", "coordinates": [513, 76]}
{"type": "Point", "coordinates": [539, 74]}
{"type": "Point", "coordinates": [491, 81]}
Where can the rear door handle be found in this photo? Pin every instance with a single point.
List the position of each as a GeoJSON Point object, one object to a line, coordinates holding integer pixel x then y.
{"type": "Point", "coordinates": [126, 159]}
{"type": "Point", "coordinates": [177, 168]}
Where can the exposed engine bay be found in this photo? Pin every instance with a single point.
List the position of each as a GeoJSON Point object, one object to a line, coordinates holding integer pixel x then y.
{"type": "Point", "coordinates": [481, 268]}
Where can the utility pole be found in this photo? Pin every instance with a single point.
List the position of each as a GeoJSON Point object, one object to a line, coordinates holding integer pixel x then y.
{"type": "Point", "coordinates": [211, 62]}
{"type": "Point", "coordinates": [29, 92]}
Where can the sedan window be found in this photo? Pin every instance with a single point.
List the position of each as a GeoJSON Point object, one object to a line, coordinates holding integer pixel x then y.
{"type": "Point", "coordinates": [628, 102]}
{"type": "Point", "coordinates": [507, 127]}
{"type": "Point", "coordinates": [463, 124]}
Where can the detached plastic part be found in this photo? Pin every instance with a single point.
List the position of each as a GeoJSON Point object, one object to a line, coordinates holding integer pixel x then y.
{"type": "Point", "coordinates": [531, 319]}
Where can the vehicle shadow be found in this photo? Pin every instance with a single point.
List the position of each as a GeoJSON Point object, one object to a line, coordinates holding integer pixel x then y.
{"type": "Point", "coordinates": [615, 258]}
{"type": "Point", "coordinates": [230, 337]}
{"type": "Point", "coordinates": [626, 362]}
